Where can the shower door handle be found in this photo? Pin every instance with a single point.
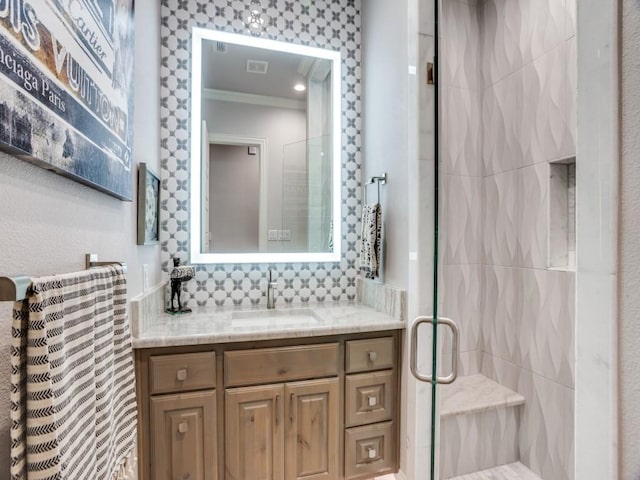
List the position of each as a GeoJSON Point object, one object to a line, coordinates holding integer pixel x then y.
{"type": "Point", "coordinates": [454, 355]}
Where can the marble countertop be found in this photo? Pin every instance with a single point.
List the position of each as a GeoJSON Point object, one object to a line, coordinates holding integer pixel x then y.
{"type": "Point", "coordinates": [224, 325]}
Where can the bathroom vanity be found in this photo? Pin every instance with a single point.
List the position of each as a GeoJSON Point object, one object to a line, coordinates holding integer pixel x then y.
{"type": "Point", "coordinates": [288, 394]}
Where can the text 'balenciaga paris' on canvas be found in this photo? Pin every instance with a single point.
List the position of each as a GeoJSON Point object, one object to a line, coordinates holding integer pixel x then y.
{"type": "Point", "coordinates": [66, 88]}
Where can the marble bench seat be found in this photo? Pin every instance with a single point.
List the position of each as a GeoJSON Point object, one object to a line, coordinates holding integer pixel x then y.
{"type": "Point", "coordinates": [480, 421]}
{"type": "Point", "coordinates": [474, 394]}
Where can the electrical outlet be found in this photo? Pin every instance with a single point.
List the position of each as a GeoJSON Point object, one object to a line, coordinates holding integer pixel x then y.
{"type": "Point", "coordinates": [273, 235]}
{"type": "Point", "coordinates": [286, 235]}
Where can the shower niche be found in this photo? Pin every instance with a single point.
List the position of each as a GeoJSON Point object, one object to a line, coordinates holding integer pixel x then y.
{"type": "Point", "coordinates": [562, 214]}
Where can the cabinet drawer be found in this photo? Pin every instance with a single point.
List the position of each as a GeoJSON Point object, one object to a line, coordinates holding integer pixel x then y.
{"type": "Point", "coordinates": [369, 450]}
{"type": "Point", "coordinates": [271, 365]}
{"type": "Point", "coordinates": [370, 354]}
{"type": "Point", "coordinates": [182, 372]}
{"type": "Point", "coordinates": [369, 398]}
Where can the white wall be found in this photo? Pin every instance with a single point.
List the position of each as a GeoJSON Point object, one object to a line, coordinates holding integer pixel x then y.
{"type": "Point", "coordinates": [280, 126]}
{"type": "Point", "coordinates": [50, 222]}
{"type": "Point", "coordinates": [384, 125]}
{"type": "Point", "coordinates": [629, 259]}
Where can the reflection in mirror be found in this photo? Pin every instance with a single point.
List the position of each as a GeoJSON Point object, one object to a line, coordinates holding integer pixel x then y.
{"type": "Point", "coordinates": [266, 156]}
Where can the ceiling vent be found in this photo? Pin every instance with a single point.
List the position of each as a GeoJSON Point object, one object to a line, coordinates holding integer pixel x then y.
{"type": "Point", "coordinates": [257, 66]}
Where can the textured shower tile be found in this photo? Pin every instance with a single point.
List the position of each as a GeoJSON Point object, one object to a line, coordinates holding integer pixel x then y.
{"type": "Point", "coordinates": [501, 22]}
{"type": "Point", "coordinates": [460, 437]}
{"type": "Point", "coordinates": [568, 371]}
{"type": "Point", "coordinates": [461, 131]}
{"type": "Point", "coordinates": [499, 370]}
{"type": "Point", "coordinates": [425, 20]}
{"type": "Point", "coordinates": [500, 429]}
{"type": "Point", "coordinates": [474, 442]}
{"type": "Point", "coordinates": [542, 441]}
{"type": "Point", "coordinates": [570, 18]}
{"type": "Point", "coordinates": [461, 49]}
{"type": "Point", "coordinates": [501, 218]}
{"type": "Point", "coordinates": [547, 320]}
{"type": "Point", "coordinates": [533, 225]}
{"type": "Point", "coordinates": [470, 363]}
{"type": "Point", "coordinates": [464, 219]}
{"type": "Point", "coordinates": [502, 125]}
{"type": "Point", "coordinates": [571, 95]}
{"type": "Point", "coordinates": [462, 303]}
{"type": "Point", "coordinates": [501, 319]}
{"type": "Point", "coordinates": [569, 424]}
{"type": "Point", "coordinates": [544, 130]}
{"type": "Point", "coordinates": [542, 27]}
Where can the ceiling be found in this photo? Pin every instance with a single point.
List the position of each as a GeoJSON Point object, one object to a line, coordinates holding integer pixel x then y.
{"type": "Point", "coordinates": [228, 70]}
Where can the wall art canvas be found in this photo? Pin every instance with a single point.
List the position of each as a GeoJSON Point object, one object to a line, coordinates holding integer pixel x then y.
{"type": "Point", "coordinates": [148, 206]}
{"type": "Point", "coordinates": [66, 88]}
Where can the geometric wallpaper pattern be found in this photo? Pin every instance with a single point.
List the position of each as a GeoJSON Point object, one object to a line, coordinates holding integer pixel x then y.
{"type": "Point", "coordinates": [328, 24]}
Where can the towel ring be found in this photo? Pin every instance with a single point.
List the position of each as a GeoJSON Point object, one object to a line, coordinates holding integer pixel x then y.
{"type": "Point", "coordinates": [380, 180]}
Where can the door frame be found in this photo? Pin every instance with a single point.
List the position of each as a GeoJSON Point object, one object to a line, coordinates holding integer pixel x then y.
{"type": "Point", "coordinates": [262, 144]}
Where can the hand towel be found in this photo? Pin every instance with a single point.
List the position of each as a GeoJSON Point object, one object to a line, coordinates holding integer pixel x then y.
{"type": "Point", "coordinates": [370, 243]}
{"type": "Point", "coordinates": [73, 403]}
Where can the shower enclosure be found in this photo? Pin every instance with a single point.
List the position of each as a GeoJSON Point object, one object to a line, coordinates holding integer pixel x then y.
{"type": "Point", "coordinates": [501, 116]}
{"type": "Point", "coordinates": [307, 204]}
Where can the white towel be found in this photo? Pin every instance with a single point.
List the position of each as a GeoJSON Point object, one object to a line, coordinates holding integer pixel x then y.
{"type": "Point", "coordinates": [370, 240]}
{"type": "Point", "coordinates": [73, 404]}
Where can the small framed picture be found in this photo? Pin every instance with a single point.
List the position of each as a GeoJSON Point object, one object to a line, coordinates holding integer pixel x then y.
{"type": "Point", "coordinates": [148, 206]}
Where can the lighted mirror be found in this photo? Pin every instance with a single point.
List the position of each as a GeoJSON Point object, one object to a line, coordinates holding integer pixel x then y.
{"type": "Point", "coordinates": [265, 150]}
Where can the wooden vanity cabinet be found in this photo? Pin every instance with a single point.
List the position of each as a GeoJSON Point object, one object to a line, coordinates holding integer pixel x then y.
{"type": "Point", "coordinates": [292, 409]}
{"type": "Point", "coordinates": [283, 431]}
{"type": "Point", "coordinates": [183, 444]}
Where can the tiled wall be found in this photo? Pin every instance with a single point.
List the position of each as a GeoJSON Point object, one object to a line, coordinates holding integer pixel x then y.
{"type": "Point", "coordinates": [509, 108]}
{"type": "Point", "coordinates": [461, 180]}
{"type": "Point", "coordinates": [329, 24]}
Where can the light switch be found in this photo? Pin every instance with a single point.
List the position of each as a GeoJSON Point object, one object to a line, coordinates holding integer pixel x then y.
{"type": "Point", "coordinates": [273, 235]}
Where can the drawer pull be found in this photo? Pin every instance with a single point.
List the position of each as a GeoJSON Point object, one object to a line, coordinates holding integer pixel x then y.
{"type": "Point", "coordinates": [373, 401]}
{"type": "Point", "coordinates": [373, 356]}
{"type": "Point", "coordinates": [181, 375]}
{"type": "Point", "coordinates": [183, 427]}
{"type": "Point", "coordinates": [371, 453]}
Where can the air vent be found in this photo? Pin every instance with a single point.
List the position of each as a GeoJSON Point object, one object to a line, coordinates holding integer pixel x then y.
{"type": "Point", "coordinates": [257, 66]}
{"type": "Point", "coordinates": [221, 47]}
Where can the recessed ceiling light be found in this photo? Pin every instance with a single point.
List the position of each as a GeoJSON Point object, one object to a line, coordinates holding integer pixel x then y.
{"type": "Point", "coordinates": [299, 87]}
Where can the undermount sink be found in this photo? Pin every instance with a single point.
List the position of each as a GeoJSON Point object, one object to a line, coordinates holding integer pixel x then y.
{"type": "Point", "coordinates": [276, 317]}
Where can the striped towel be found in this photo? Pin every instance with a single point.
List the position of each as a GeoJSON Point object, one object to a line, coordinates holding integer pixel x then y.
{"type": "Point", "coordinates": [73, 403]}
{"type": "Point", "coordinates": [370, 243]}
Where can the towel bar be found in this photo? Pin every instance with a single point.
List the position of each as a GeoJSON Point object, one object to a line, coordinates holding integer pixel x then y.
{"type": "Point", "coordinates": [14, 289]}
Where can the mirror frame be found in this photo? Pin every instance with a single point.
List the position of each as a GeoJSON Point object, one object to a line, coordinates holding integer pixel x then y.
{"type": "Point", "coordinates": [196, 255]}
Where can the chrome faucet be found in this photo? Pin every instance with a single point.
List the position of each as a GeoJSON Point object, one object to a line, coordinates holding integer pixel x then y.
{"type": "Point", "coordinates": [271, 292]}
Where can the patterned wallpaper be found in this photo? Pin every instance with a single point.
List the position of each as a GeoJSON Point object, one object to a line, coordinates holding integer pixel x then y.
{"type": "Point", "coordinates": [330, 24]}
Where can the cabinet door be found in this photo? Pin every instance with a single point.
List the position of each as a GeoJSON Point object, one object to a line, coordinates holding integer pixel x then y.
{"type": "Point", "coordinates": [254, 435]}
{"type": "Point", "coordinates": [183, 436]}
{"type": "Point", "coordinates": [312, 439]}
